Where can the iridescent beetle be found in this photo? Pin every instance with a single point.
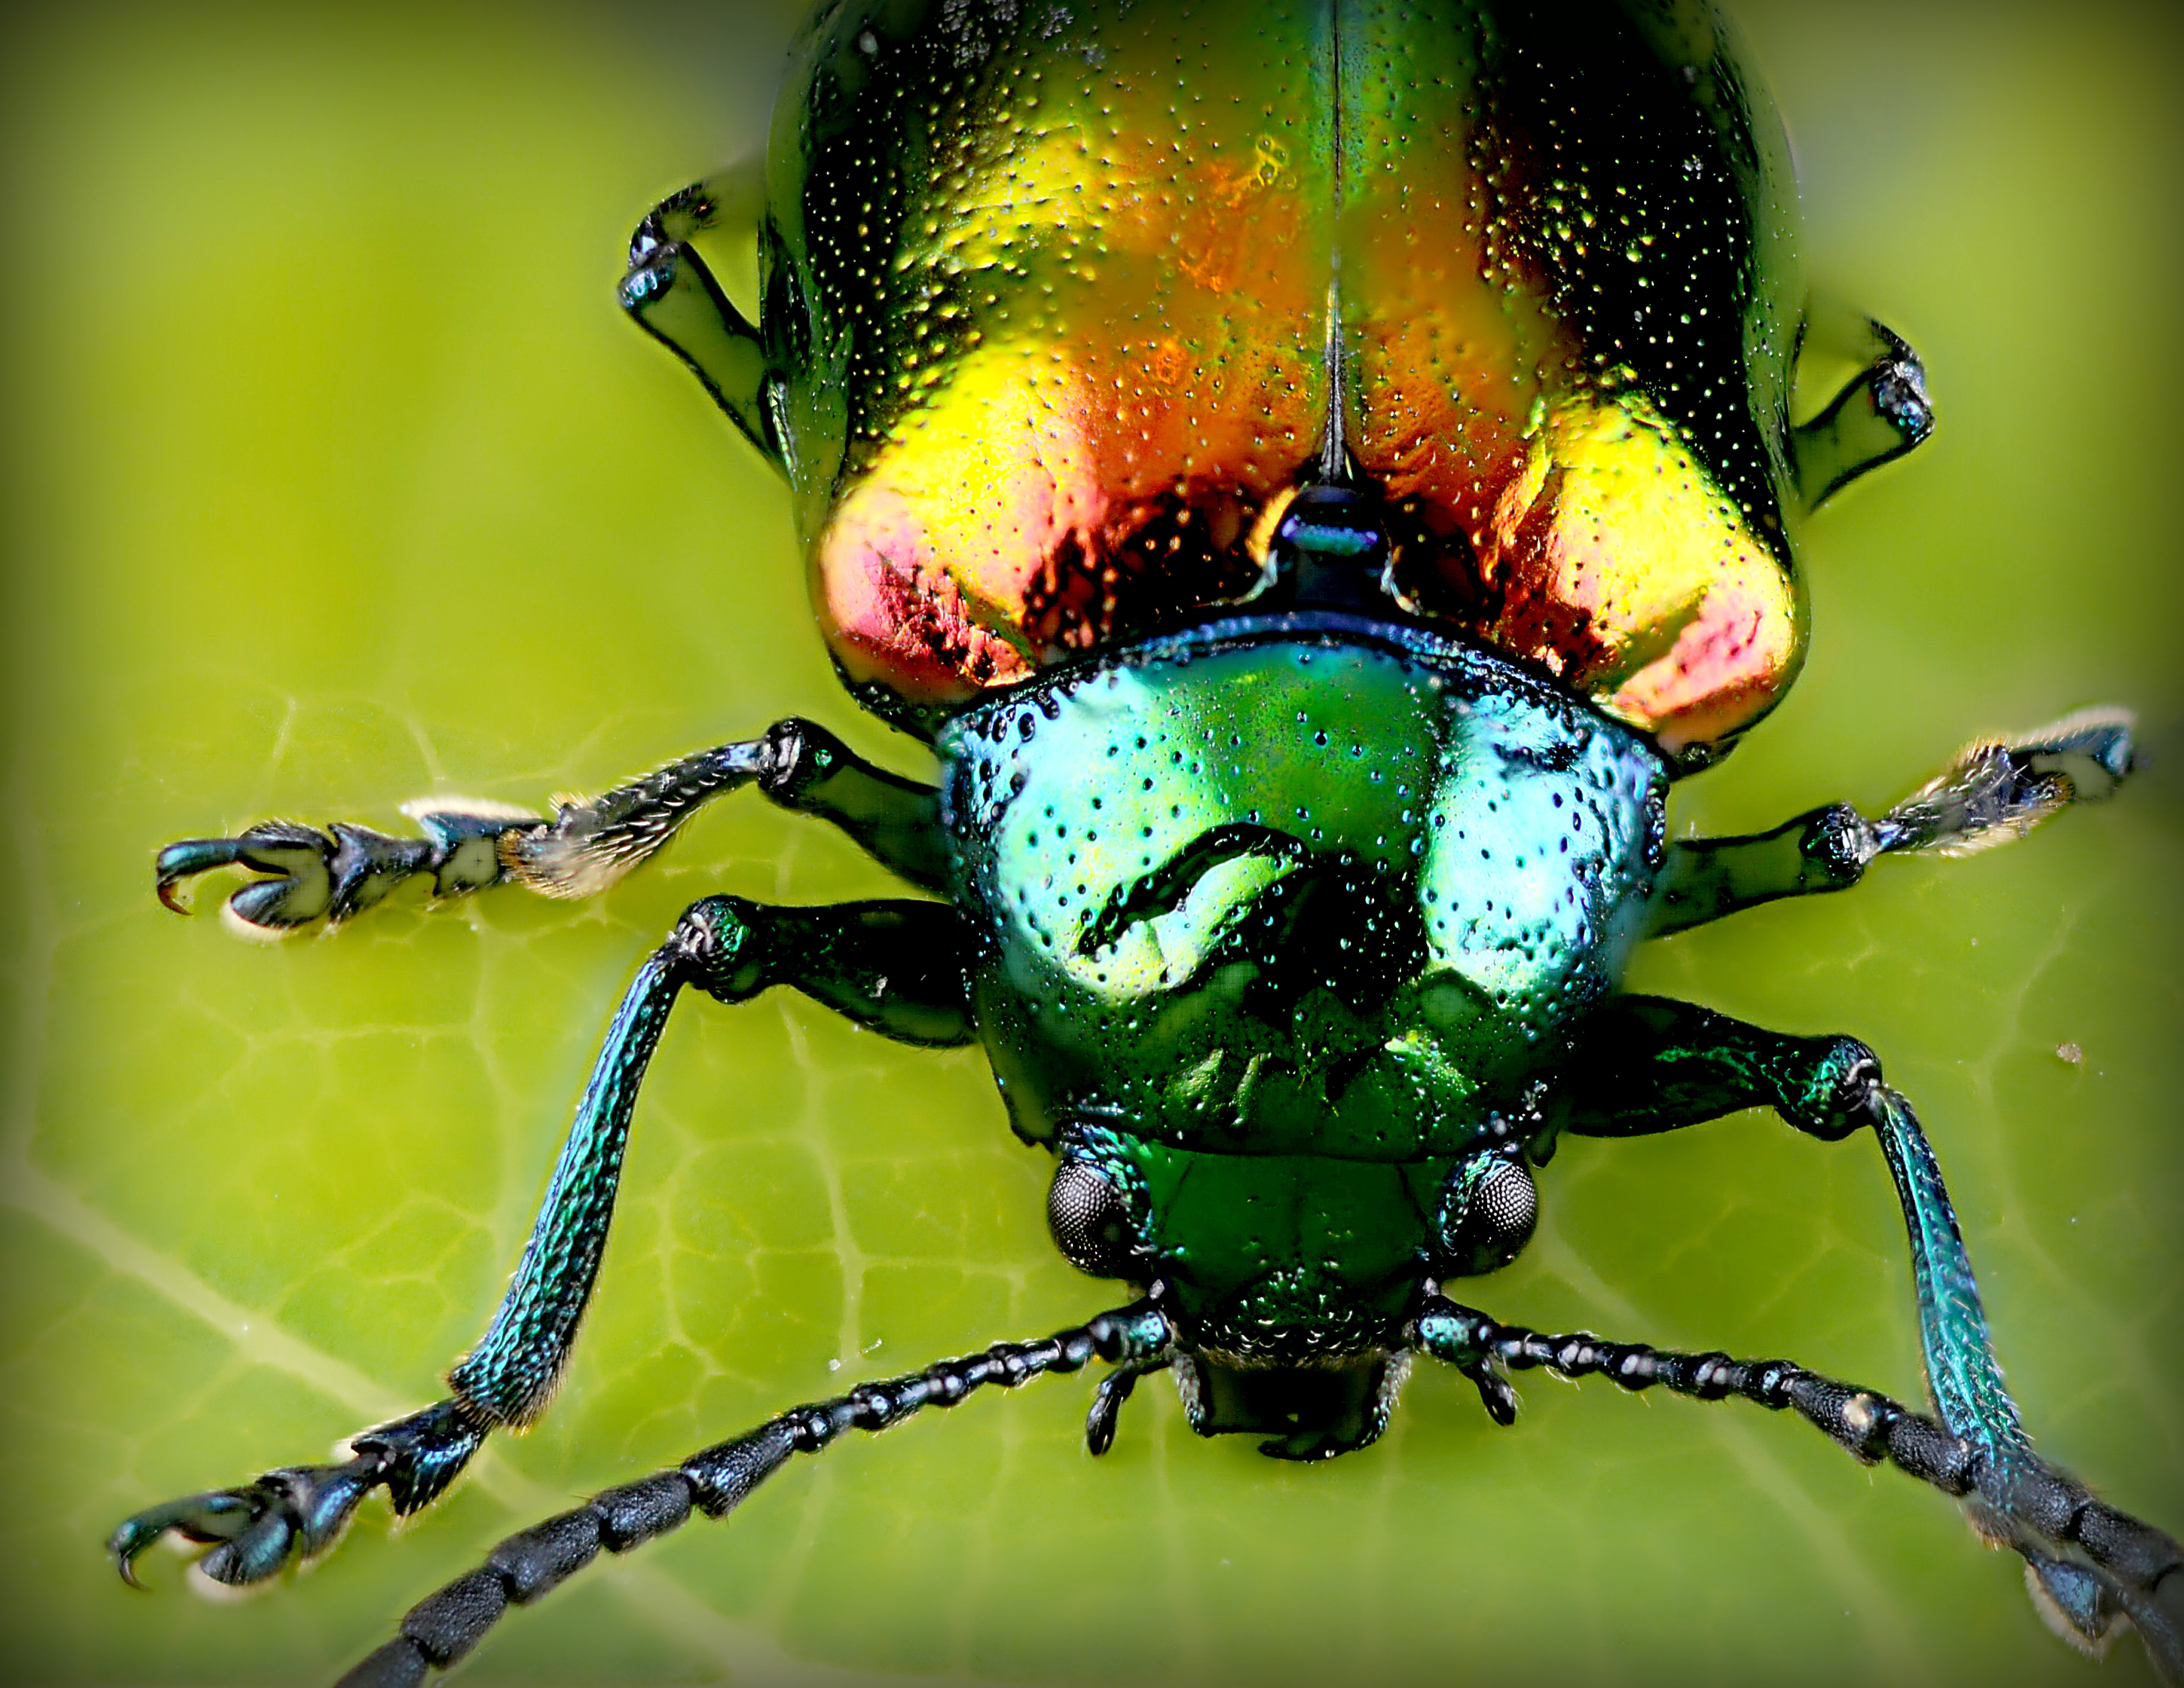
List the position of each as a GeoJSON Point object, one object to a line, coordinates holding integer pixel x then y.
{"type": "Point", "coordinates": [1316, 474]}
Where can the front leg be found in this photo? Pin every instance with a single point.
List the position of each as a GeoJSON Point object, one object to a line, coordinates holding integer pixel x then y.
{"type": "Point", "coordinates": [1652, 1064]}
{"type": "Point", "coordinates": [1871, 1427]}
{"type": "Point", "coordinates": [1994, 792]}
{"type": "Point", "coordinates": [579, 850]}
{"type": "Point", "coordinates": [441, 1629]}
{"type": "Point", "coordinates": [894, 966]}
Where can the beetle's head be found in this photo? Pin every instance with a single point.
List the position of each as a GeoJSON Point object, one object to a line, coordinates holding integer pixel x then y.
{"type": "Point", "coordinates": [1288, 1292]}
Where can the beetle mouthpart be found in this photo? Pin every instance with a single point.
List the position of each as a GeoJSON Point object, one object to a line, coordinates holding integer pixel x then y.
{"type": "Point", "coordinates": [1305, 1413]}
{"type": "Point", "coordinates": [1110, 1397]}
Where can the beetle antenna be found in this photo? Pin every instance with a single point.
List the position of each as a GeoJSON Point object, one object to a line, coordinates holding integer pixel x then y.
{"type": "Point", "coordinates": [2090, 1566]}
{"type": "Point", "coordinates": [444, 1626]}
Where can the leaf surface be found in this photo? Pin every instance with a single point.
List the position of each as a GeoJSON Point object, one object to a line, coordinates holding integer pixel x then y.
{"type": "Point", "coordinates": [340, 482]}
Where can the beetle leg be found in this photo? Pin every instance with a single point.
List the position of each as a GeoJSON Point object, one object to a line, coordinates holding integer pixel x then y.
{"type": "Point", "coordinates": [672, 296]}
{"type": "Point", "coordinates": [2088, 1564]}
{"type": "Point", "coordinates": [580, 850]}
{"type": "Point", "coordinates": [798, 764]}
{"type": "Point", "coordinates": [1994, 791]}
{"type": "Point", "coordinates": [1652, 1064]}
{"type": "Point", "coordinates": [1882, 413]}
{"type": "Point", "coordinates": [443, 1627]}
{"type": "Point", "coordinates": [896, 968]}
{"type": "Point", "coordinates": [303, 1509]}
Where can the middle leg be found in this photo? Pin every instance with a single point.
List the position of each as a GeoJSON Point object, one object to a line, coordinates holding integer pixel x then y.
{"type": "Point", "coordinates": [579, 850]}
{"type": "Point", "coordinates": [1994, 792]}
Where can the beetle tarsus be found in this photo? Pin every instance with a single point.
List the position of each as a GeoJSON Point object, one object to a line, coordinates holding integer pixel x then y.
{"type": "Point", "coordinates": [1881, 414]}
{"type": "Point", "coordinates": [2075, 1603]}
{"type": "Point", "coordinates": [299, 1511]}
{"type": "Point", "coordinates": [2090, 1568]}
{"type": "Point", "coordinates": [1997, 790]}
{"type": "Point", "coordinates": [2090, 1564]}
{"type": "Point", "coordinates": [444, 1626]}
{"type": "Point", "coordinates": [584, 847]}
{"type": "Point", "coordinates": [671, 293]}
{"type": "Point", "coordinates": [1992, 792]}
{"type": "Point", "coordinates": [329, 876]}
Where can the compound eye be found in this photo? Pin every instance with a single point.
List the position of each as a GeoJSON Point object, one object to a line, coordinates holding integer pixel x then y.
{"type": "Point", "coordinates": [1494, 1219]}
{"type": "Point", "coordinates": [1090, 1220]}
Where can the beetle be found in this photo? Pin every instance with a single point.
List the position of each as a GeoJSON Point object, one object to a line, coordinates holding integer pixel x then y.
{"type": "Point", "coordinates": [1307, 554]}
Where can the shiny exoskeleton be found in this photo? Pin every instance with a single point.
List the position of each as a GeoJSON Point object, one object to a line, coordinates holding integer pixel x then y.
{"type": "Point", "coordinates": [1316, 473]}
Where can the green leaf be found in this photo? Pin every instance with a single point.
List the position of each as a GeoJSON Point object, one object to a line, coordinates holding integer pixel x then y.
{"type": "Point", "coordinates": [339, 483]}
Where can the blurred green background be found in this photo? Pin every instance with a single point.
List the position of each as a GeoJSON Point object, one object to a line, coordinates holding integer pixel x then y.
{"type": "Point", "coordinates": [334, 479]}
